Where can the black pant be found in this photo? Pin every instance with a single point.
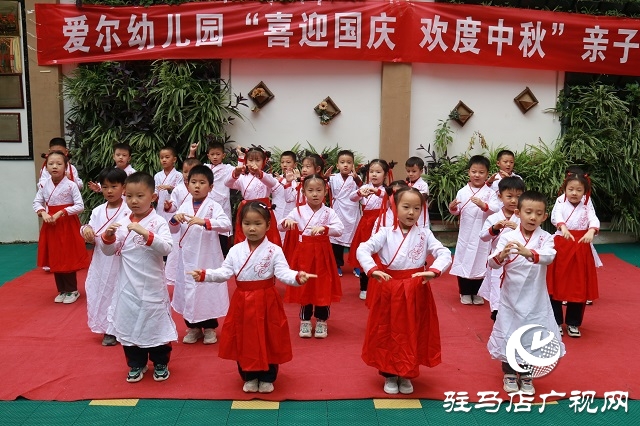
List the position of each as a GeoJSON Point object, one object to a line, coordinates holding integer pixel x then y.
{"type": "Point", "coordinates": [66, 282]}
{"type": "Point", "coordinates": [210, 323]}
{"type": "Point", "coordinates": [137, 357]}
{"type": "Point", "coordinates": [338, 253]}
{"type": "Point", "coordinates": [468, 286]}
{"type": "Point", "coordinates": [364, 281]}
{"type": "Point", "coordinates": [320, 312]}
{"type": "Point", "coordinates": [224, 244]}
{"type": "Point", "coordinates": [506, 369]}
{"type": "Point", "coordinates": [575, 312]}
{"type": "Point", "coordinates": [268, 376]}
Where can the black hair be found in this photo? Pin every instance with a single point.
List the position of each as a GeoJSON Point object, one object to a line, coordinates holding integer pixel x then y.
{"type": "Point", "coordinates": [56, 152]}
{"type": "Point", "coordinates": [201, 170]}
{"type": "Point", "coordinates": [215, 145]}
{"type": "Point", "coordinates": [289, 154]}
{"type": "Point", "coordinates": [415, 161]}
{"type": "Point", "coordinates": [57, 142]}
{"type": "Point", "coordinates": [514, 183]}
{"type": "Point", "coordinates": [385, 166]}
{"type": "Point", "coordinates": [396, 183]}
{"type": "Point", "coordinates": [123, 146]}
{"type": "Point", "coordinates": [346, 152]}
{"type": "Point", "coordinates": [316, 159]}
{"type": "Point", "coordinates": [314, 176]}
{"type": "Point", "coordinates": [534, 196]}
{"type": "Point", "coordinates": [479, 160]}
{"type": "Point", "coordinates": [398, 194]}
{"type": "Point", "coordinates": [113, 175]}
{"type": "Point", "coordinates": [574, 169]}
{"type": "Point", "coordinates": [169, 148]}
{"type": "Point", "coordinates": [256, 206]}
{"type": "Point", "coordinates": [141, 177]}
{"type": "Point", "coordinates": [191, 162]}
{"type": "Point", "coordinates": [504, 152]}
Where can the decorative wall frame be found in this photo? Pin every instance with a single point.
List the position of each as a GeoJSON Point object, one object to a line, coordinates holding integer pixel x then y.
{"type": "Point", "coordinates": [326, 110]}
{"type": "Point", "coordinates": [260, 95]}
{"type": "Point", "coordinates": [461, 113]}
{"type": "Point", "coordinates": [9, 18]}
{"type": "Point", "coordinates": [11, 93]}
{"type": "Point", "coordinates": [525, 100]}
{"type": "Point", "coordinates": [10, 127]}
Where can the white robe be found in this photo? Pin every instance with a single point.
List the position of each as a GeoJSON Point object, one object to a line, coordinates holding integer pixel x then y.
{"type": "Point", "coordinates": [307, 219]}
{"type": "Point", "coordinates": [199, 248]}
{"type": "Point", "coordinates": [178, 196]}
{"type": "Point", "coordinates": [576, 218]}
{"type": "Point", "coordinates": [470, 260]}
{"type": "Point", "coordinates": [220, 193]}
{"type": "Point", "coordinates": [174, 178]}
{"type": "Point", "coordinates": [284, 198]}
{"type": "Point", "coordinates": [524, 298]}
{"type": "Point", "coordinates": [490, 288]}
{"type": "Point", "coordinates": [103, 270]}
{"type": "Point", "coordinates": [140, 314]}
{"type": "Point", "coordinates": [251, 187]}
{"type": "Point", "coordinates": [347, 210]}
{"type": "Point", "coordinates": [65, 192]}
{"type": "Point", "coordinates": [372, 201]}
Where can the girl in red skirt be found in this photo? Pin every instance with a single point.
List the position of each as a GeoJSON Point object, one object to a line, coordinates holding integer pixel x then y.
{"type": "Point", "coordinates": [255, 332]}
{"type": "Point", "coordinates": [314, 222]}
{"type": "Point", "coordinates": [402, 330]}
{"type": "Point", "coordinates": [572, 276]}
{"type": "Point", "coordinates": [370, 196]}
{"type": "Point", "coordinates": [60, 246]}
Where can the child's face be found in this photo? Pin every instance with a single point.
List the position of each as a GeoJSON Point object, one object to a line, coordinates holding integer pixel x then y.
{"type": "Point", "coordinates": [287, 163]}
{"type": "Point", "coordinates": [413, 173]}
{"type": "Point", "coordinates": [139, 198]}
{"type": "Point", "coordinates": [60, 148]}
{"type": "Point", "coordinates": [345, 164]}
{"type": "Point", "coordinates": [315, 192]}
{"type": "Point", "coordinates": [478, 175]}
{"type": "Point", "coordinates": [254, 226]}
{"type": "Point", "coordinates": [505, 163]}
{"type": "Point", "coordinates": [167, 159]}
{"type": "Point", "coordinates": [56, 166]}
{"type": "Point", "coordinates": [199, 187]}
{"type": "Point", "coordinates": [308, 168]}
{"type": "Point", "coordinates": [509, 198]}
{"type": "Point", "coordinates": [531, 214]}
{"type": "Point", "coordinates": [122, 158]}
{"type": "Point", "coordinates": [112, 191]}
{"type": "Point", "coordinates": [185, 172]}
{"type": "Point", "coordinates": [376, 174]}
{"type": "Point", "coordinates": [215, 156]}
{"type": "Point", "coordinates": [409, 208]}
{"type": "Point", "coordinates": [255, 160]}
{"type": "Point", "coordinates": [574, 191]}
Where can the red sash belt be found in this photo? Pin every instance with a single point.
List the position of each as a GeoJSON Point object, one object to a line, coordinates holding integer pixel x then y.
{"type": "Point", "coordinates": [255, 285]}
{"type": "Point", "coordinates": [402, 274]}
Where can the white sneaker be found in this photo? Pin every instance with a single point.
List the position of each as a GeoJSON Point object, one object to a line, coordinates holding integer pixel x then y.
{"type": "Point", "coordinates": [321, 329]}
{"type": "Point", "coordinates": [210, 336]}
{"type": "Point", "coordinates": [466, 299]}
{"type": "Point", "coordinates": [363, 295]}
{"type": "Point", "coordinates": [250, 386]}
{"type": "Point", "coordinates": [71, 297]}
{"type": "Point", "coordinates": [391, 385]}
{"type": "Point", "coordinates": [192, 336]}
{"type": "Point", "coordinates": [265, 387]}
{"type": "Point", "coordinates": [526, 386]}
{"type": "Point", "coordinates": [477, 300]}
{"type": "Point", "coordinates": [405, 386]}
{"type": "Point", "coordinates": [573, 331]}
{"type": "Point", "coordinates": [46, 269]}
{"type": "Point", "coordinates": [510, 383]}
{"type": "Point", "coordinates": [60, 298]}
{"type": "Point", "coordinates": [305, 329]}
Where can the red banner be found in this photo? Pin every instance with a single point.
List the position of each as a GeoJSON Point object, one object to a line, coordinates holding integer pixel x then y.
{"type": "Point", "coordinates": [371, 31]}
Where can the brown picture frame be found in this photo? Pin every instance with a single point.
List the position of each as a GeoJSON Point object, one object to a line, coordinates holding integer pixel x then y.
{"type": "Point", "coordinates": [10, 130]}
{"type": "Point", "coordinates": [11, 93]}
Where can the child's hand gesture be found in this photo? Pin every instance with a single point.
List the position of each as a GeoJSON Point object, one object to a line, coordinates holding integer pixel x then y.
{"type": "Point", "coordinates": [426, 275]}
{"type": "Point", "coordinates": [254, 169]}
{"type": "Point", "coordinates": [364, 191]}
{"type": "Point", "coordinates": [492, 178]}
{"type": "Point", "coordinates": [138, 229]}
{"type": "Point", "coordinates": [327, 174]}
{"type": "Point", "coordinates": [303, 277]}
{"type": "Point", "coordinates": [381, 276]}
{"type": "Point", "coordinates": [111, 229]}
{"type": "Point", "coordinates": [317, 230]}
{"type": "Point", "coordinates": [239, 170]}
{"type": "Point", "coordinates": [289, 175]}
{"type": "Point", "coordinates": [196, 274]}
{"type": "Point", "coordinates": [514, 247]}
{"type": "Point", "coordinates": [163, 187]}
{"type": "Point", "coordinates": [290, 224]}
{"type": "Point", "coordinates": [193, 148]}
{"type": "Point", "coordinates": [588, 237]}
{"type": "Point", "coordinates": [47, 218]}
{"type": "Point", "coordinates": [94, 186]}
{"type": "Point", "coordinates": [167, 205]}
{"type": "Point", "coordinates": [478, 202]}
{"type": "Point", "coordinates": [566, 234]}
{"type": "Point", "coordinates": [296, 173]}
{"type": "Point", "coordinates": [196, 221]}
{"type": "Point", "coordinates": [509, 224]}
{"type": "Point", "coordinates": [453, 206]}
{"type": "Point", "coordinates": [89, 235]}
{"type": "Point", "coordinates": [180, 217]}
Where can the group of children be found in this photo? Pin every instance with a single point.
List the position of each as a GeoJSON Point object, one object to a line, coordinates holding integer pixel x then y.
{"type": "Point", "coordinates": [284, 229]}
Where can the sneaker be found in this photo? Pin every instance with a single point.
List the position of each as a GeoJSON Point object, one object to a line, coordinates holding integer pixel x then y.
{"type": "Point", "coordinates": [477, 300]}
{"type": "Point", "coordinates": [71, 297]}
{"type": "Point", "coordinates": [250, 386]}
{"type": "Point", "coordinates": [321, 329]}
{"type": "Point", "coordinates": [589, 302]}
{"type": "Point", "coordinates": [356, 272]}
{"type": "Point", "coordinates": [391, 385]}
{"type": "Point", "coordinates": [466, 299]}
{"type": "Point", "coordinates": [46, 269]}
{"type": "Point", "coordinates": [510, 383]}
{"type": "Point", "coordinates": [573, 331]}
{"type": "Point", "coordinates": [192, 336]}
{"type": "Point", "coordinates": [405, 386]}
{"type": "Point", "coordinates": [339, 271]}
{"type": "Point", "coordinates": [526, 386]}
{"type": "Point", "coordinates": [109, 340]}
{"type": "Point", "coordinates": [136, 374]}
{"type": "Point", "coordinates": [160, 372]}
{"type": "Point", "coordinates": [363, 295]}
{"type": "Point", "coordinates": [564, 302]}
{"type": "Point", "coordinates": [561, 332]}
{"type": "Point", "coordinates": [305, 329]}
{"type": "Point", "coordinates": [210, 336]}
{"type": "Point", "coordinates": [60, 298]}
{"type": "Point", "coordinates": [265, 387]}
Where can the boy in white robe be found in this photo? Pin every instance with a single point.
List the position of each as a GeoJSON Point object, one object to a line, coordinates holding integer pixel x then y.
{"type": "Point", "coordinates": [122, 158]}
{"type": "Point", "coordinates": [414, 166]}
{"type": "Point", "coordinates": [167, 179]}
{"type": "Point", "coordinates": [524, 254]}
{"type": "Point", "coordinates": [197, 223]}
{"type": "Point", "coordinates": [140, 316]}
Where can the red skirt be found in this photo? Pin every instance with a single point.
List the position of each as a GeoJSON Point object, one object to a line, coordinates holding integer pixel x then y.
{"type": "Point", "coordinates": [362, 234]}
{"type": "Point", "coordinates": [272, 233]}
{"type": "Point", "coordinates": [315, 256]}
{"type": "Point", "coordinates": [255, 331]}
{"type": "Point", "coordinates": [290, 243]}
{"type": "Point", "coordinates": [572, 276]}
{"type": "Point", "coordinates": [60, 246]}
{"type": "Point", "coordinates": [402, 330]}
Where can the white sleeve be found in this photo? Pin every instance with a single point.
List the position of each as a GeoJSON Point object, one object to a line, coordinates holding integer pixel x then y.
{"type": "Point", "coordinates": [366, 250]}
{"type": "Point", "coordinates": [221, 274]}
{"type": "Point", "coordinates": [78, 204]}
{"type": "Point", "coordinates": [281, 269]}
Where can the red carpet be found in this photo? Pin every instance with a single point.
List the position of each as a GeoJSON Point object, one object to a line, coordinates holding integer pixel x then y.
{"type": "Point", "coordinates": [49, 353]}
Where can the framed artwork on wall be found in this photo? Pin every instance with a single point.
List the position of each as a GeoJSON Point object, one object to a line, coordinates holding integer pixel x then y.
{"type": "Point", "coordinates": [10, 127]}
{"type": "Point", "coordinates": [11, 93]}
